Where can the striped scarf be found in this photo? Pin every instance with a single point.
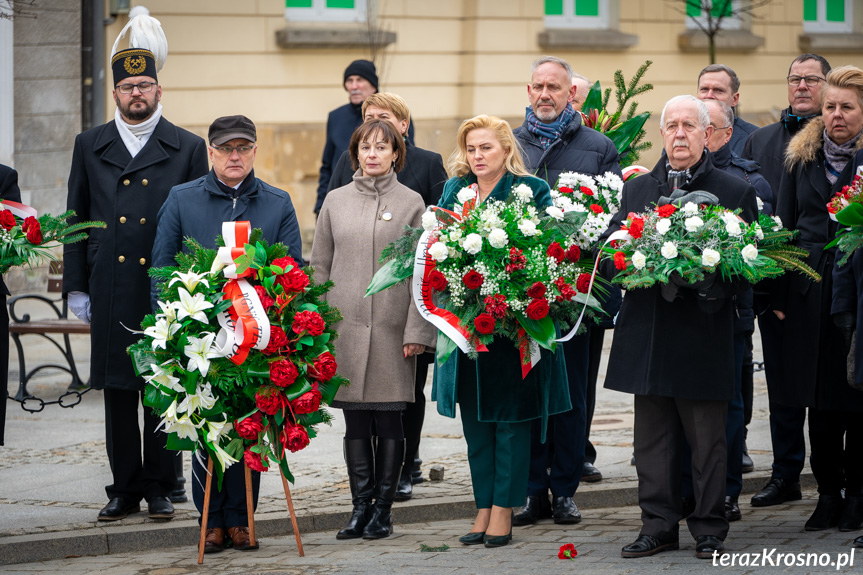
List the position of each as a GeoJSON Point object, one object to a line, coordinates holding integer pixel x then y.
{"type": "Point", "coordinates": [836, 156]}
{"type": "Point", "coordinates": [547, 133]}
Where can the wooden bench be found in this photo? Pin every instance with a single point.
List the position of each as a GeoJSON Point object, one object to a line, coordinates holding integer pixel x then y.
{"type": "Point", "coordinates": [56, 328]}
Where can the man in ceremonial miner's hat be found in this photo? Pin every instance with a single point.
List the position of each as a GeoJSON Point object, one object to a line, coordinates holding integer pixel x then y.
{"type": "Point", "coordinates": [121, 174]}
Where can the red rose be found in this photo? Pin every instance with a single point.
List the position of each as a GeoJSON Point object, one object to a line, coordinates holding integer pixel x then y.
{"type": "Point", "coordinates": [472, 279]}
{"type": "Point", "coordinates": [596, 208]}
{"type": "Point", "coordinates": [566, 291]}
{"type": "Point", "coordinates": [582, 284]}
{"type": "Point", "coordinates": [308, 402]}
{"type": "Point", "coordinates": [285, 263]}
{"type": "Point", "coordinates": [573, 253]}
{"type": "Point", "coordinates": [567, 552]}
{"type": "Point", "coordinates": [283, 372]}
{"type": "Point", "coordinates": [270, 399]}
{"type": "Point", "coordinates": [620, 261]}
{"type": "Point", "coordinates": [250, 427]}
{"type": "Point", "coordinates": [310, 321]}
{"type": "Point", "coordinates": [537, 290]}
{"type": "Point", "coordinates": [666, 210]}
{"type": "Point", "coordinates": [555, 251]}
{"type": "Point", "coordinates": [484, 323]}
{"type": "Point", "coordinates": [294, 438]}
{"type": "Point", "coordinates": [586, 191]}
{"type": "Point", "coordinates": [266, 300]}
{"type": "Point", "coordinates": [325, 366]}
{"type": "Point", "coordinates": [278, 340]}
{"type": "Point", "coordinates": [537, 309]}
{"type": "Point", "coordinates": [437, 280]}
{"type": "Point", "coordinates": [33, 230]}
{"type": "Point", "coordinates": [253, 460]}
{"type": "Point", "coordinates": [564, 190]}
{"type": "Point", "coordinates": [7, 220]}
{"type": "Point", "coordinates": [636, 226]}
{"type": "Point", "coordinates": [294, 280]}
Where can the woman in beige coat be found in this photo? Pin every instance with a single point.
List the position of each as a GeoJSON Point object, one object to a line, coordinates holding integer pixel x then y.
{"type": "Point", "coordinates": [379, 336]}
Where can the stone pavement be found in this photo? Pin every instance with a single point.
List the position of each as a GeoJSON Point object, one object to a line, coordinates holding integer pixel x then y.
{"type": "Point", "coordinates": [53, 471]}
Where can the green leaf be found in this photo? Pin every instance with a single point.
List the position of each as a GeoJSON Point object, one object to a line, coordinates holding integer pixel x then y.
{"type": "Point", "coordinates": [260, 255]}
{"type": "Point", "coordinates": [389, 275]}
{"type": "Point", "coordinates": [175, 443]}
{"type": "Point", "coordinates": [623, 136]}
{"type": "Point", "coordinates": [297, 389]}
{"type": "Point", "coordinates": [445, 347]}
{"type": "Point", "coordinates": [851, 215]}
{"type": "Point", "coordinates": [141, 360]}
{"type": "Point", "coordinates": [307, 340]}
{"type": "Point", "coordinates": [593, 100]}
{"type": "Point", "coordinates": [541, 330]}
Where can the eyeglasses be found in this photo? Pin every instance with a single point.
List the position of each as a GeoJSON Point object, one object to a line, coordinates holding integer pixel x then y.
{"type": "Point", "coordinates": [721, 127]}
{"type": "Point", "coordinates": [143, 87]}
{"type": "Point", "coordinates": [811, 81]}
{"type": "Point", "coordinates": [228, 150]}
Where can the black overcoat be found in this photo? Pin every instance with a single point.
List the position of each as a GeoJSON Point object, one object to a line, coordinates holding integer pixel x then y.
{"type": "Point", "coordinates": [678, 349]}
{"type": "Point", "coordinates": [107, 184]}
{"type": "Point", "coordinates": [813, 358]}
{"type": "Point", "coordinates": [8, 191]}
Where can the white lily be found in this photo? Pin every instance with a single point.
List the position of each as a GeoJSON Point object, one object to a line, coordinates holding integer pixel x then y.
{"type": "Point", "coordinates": [184, 428]}
{"type": "Point", "coordinates": [225, 460]}
{"type": "Point", "coordinates": [218, 265]}
{"type": "Point", "coordinates": [218, 429]}
{"type": "Point", "coordinates": [192, 306]}
{"type": "Point", "coordinates": [189, 279]}
{"type": "Point", "coordinates": [164, 378]}
{"type": "Point", "coordinates": [200, 351]}
{"type": "Point", "coordinates": [163, 331]}
{"type": "Point", "coordinates": [168, 311]}
{"type": "Point", "coordinates": [202, 398]}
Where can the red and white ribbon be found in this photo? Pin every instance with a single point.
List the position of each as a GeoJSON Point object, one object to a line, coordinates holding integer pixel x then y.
{"type": "Point", "coordinates": [236, 236]}
{"type": "Point", "coordinates": [21, 210]}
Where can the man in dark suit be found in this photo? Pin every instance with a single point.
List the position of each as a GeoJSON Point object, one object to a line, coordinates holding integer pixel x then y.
{"type": "Point", "coordinates": [121, 174]}
{"type": "Point", "coordinates": [674, 350]}
{"type": "Point", "coordinates": [8, 191]}
{"type": "Point", "coordinates": [719, 82]}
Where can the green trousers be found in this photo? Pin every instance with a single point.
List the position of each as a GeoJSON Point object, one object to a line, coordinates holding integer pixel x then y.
{"type": "Point", "coordinates": [498, 453]}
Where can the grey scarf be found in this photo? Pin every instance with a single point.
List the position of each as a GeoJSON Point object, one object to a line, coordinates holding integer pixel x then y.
{"type": "Point", "coordinates": [836, 156]}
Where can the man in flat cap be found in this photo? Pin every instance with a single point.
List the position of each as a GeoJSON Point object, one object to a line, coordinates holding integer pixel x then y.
{"type": "Point", "coordinates": [121, 174]}
{"type": "Point", "coordinates": [229, 193]}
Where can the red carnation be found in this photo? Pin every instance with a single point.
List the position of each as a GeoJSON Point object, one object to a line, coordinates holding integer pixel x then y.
{"type": "Point", "coordinates": [537, 309]}
{"type": "Point", "coordinates": [582, 284]}
{"type": "Point", "coordinates": [666, 210]}
{"type": "Point", "coordinates": [250, 427]}
{"type": "Point", "coordinates": [620, 260]}
{"type": "Point", "coordinates": [573, 253]}
{"type": "Point", "coordinates": [7, 220]}
{"type": "Point", "coordinates": [294, 280]}
{"type": "Point", "coordinates": [566, 291]}
{"type": "Point", "coordinates": [266, 300]}
{"type": "Point", "coordinates": [33, 230]}
{"type": "Point", "coordinates": [278, 340]}
{"type": "Point", "coordinates": [310, 321]}
{"type": "Point", "coordinates": [308, 402]}
{"type": "Point", "coordinates": [564, 190]}
{"type": "Point", "coordinates": [496, 305]}
{"type": "Point", "coordinates": [472, 279]}
{"type": "Point", "coordinates": [294, 437]}
{"type": "Point", "coordinates": [283, 372]}
{"type": "Point", "coordinates": [325, 366]}
{"type": "Point", "coordinates": [596, 208]}
{"type": "Point", "coordinates": [253, 460]}
{"type": "Point", "coordinates": [484, 323]}
{"type": "Point", "coordinates": [437, 280]}
{"type": "Point", "coordinates": [285, 263]}
{"type": "Point", "coordinates": [537, 290]}
{"type": "Point", "coordinates": [270, 399]}
{"type": "Point", "coordinates": [586, 191]}
{"type": "Point", "coordinates": [567, 552]}
{"type": "Point", "coordinates": [555, 251]}
{"type": "Point", "coordinates": [636, 226]}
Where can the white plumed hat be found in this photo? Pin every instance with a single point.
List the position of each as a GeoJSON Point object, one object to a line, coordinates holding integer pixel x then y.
{"type": "Point", "coordinates": [145, 32]}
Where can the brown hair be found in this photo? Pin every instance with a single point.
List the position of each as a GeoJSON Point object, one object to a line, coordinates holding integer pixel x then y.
{"type": "Point", "coordinates": [389, 101]}
{"type": "Point", "coordinates": [387, 132]}
{"type": "Point", "coordinates": [458, 164]}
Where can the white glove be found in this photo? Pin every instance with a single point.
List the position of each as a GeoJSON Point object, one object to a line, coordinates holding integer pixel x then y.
{"type": "Point", "coordinates": [79, 303]}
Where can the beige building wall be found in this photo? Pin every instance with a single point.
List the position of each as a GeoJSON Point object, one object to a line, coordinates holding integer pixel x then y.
{"type": "Point", "coordinates": [451, 60]}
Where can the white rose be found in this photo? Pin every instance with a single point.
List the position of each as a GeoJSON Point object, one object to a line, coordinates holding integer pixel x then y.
{"type": "Point", "coordinates": [693, 223]}
{"type": "Point", "coordinates": [669, 250]}
{"type": "Point", "coordinates": [639, 260]}
{"type": "Point", "coordinates": [527, 228]}
{"type": "Point", "coordinates": [429, 221]}
{"type": "Point", "coordinates": [554, 212]}
{"type": "Point", "coordinates": [465, 194]}
{"type": "Point", "coordinates": [454, 233]}
{"type": "Point", "coordinates": [497, 238]}
{"type": "Point", "coordinates": [663, 225]}
{"type": "Point", "coordinates": [778, 225]}
{"type": "Point", "coordinates": [690, 209]}
{"type": "Point", "coordinates": [749, 253]}
{"type": "Point", "coordinates": [733, 228]}
{"type": "Point", "coordinates": [472, 244]}
{"type": "Point", "coordinates": [523, 192]}
{"type": "Point", "coordinates": [438, 251]}
{"type": "Point", "coordinates": [759, 233]}
{"type": "Point", "coordinates": [709, 258]}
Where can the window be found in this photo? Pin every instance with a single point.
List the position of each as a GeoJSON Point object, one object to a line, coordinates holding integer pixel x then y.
{"type": "Point", "coordinates": [727, 9]}
{"type": "Point", "coordinates": [325, 10]}
{"type": "Point", "coordinates": [577, 14]}
{"type": "Point", "coordinates": [831, 16]}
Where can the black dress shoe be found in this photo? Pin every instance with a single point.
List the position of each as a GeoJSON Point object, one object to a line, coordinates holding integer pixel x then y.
{"type": "Point", "coordinates": [852, 515]}
{"type": "Point", "coordinates": [647, 545]}
{"type": "Point", "coordinates": [826, 514]}
{"type": "Point", "coordinates": [160, 508]}
{"type": "Point", "coordinates": [497, 540]}
{"type": "Point", "coordinates": [732, 509]}
{"type": "Point", "coordinates": [118, 508]}
{"type": "Point", "coordinates": [535, 508]}
{"type": "Point", "coordinates": [707, 545]}
{"type": "Point", "coordinates": [404, 490]}
{"type": "Point", "coordinates": [472, 538]}
{"type": "Point", "coordinates": [858, 542]}
{"type": "Point", "coordinates": [590, 473]}
{"type": "Point", "coordinates": [777, 491]}
{"type": "Point", "coordinates": [564, 511]}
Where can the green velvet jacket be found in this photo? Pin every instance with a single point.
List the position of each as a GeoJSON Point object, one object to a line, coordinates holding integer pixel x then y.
{"type": "Point", "coordinates": [502, 395]}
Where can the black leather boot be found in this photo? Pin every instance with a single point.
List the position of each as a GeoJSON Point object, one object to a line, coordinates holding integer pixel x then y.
{"type": "Point", "coordinates": [360, 459]}
{"type": "Point", "coordinates": [827, 512]}
{"type": "Point", "coordinates": [852, 515]}
{"type": "Point", "coordinates": [388, 468]}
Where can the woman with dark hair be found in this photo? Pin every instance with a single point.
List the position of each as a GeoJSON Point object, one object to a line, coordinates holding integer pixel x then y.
{"type": "Point", "coordinates": [814, 351]}
{"type": "Point", "coordinates": [355, 223]}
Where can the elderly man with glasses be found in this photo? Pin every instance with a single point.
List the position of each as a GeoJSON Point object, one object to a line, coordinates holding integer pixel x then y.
{"type": "Point", "coordinates": [121, 173]}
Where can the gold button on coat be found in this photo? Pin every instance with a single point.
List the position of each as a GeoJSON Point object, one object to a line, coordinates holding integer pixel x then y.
{"type": "Point", "coordinates": [126, 182]}
{"type": "Point", "coordinates": [121, 259]}
{"type": "Point", "coordinates": [143, 221]}
{"type": "Point", "coordinates": [122, 219]}
{"type": "Point", "coordinates": [142, 261]}
{"type": "Point", "coordinates": [144, 182]}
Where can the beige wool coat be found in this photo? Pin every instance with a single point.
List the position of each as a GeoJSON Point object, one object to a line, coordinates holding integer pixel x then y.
{"type": "Point", "coordinates": [355, 223]}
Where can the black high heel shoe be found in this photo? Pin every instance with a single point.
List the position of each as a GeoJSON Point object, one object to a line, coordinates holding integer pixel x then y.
{"type": "Point", "coordinates": [497, 540]}
{"type": "Point", "coordinates": [472, 538]}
